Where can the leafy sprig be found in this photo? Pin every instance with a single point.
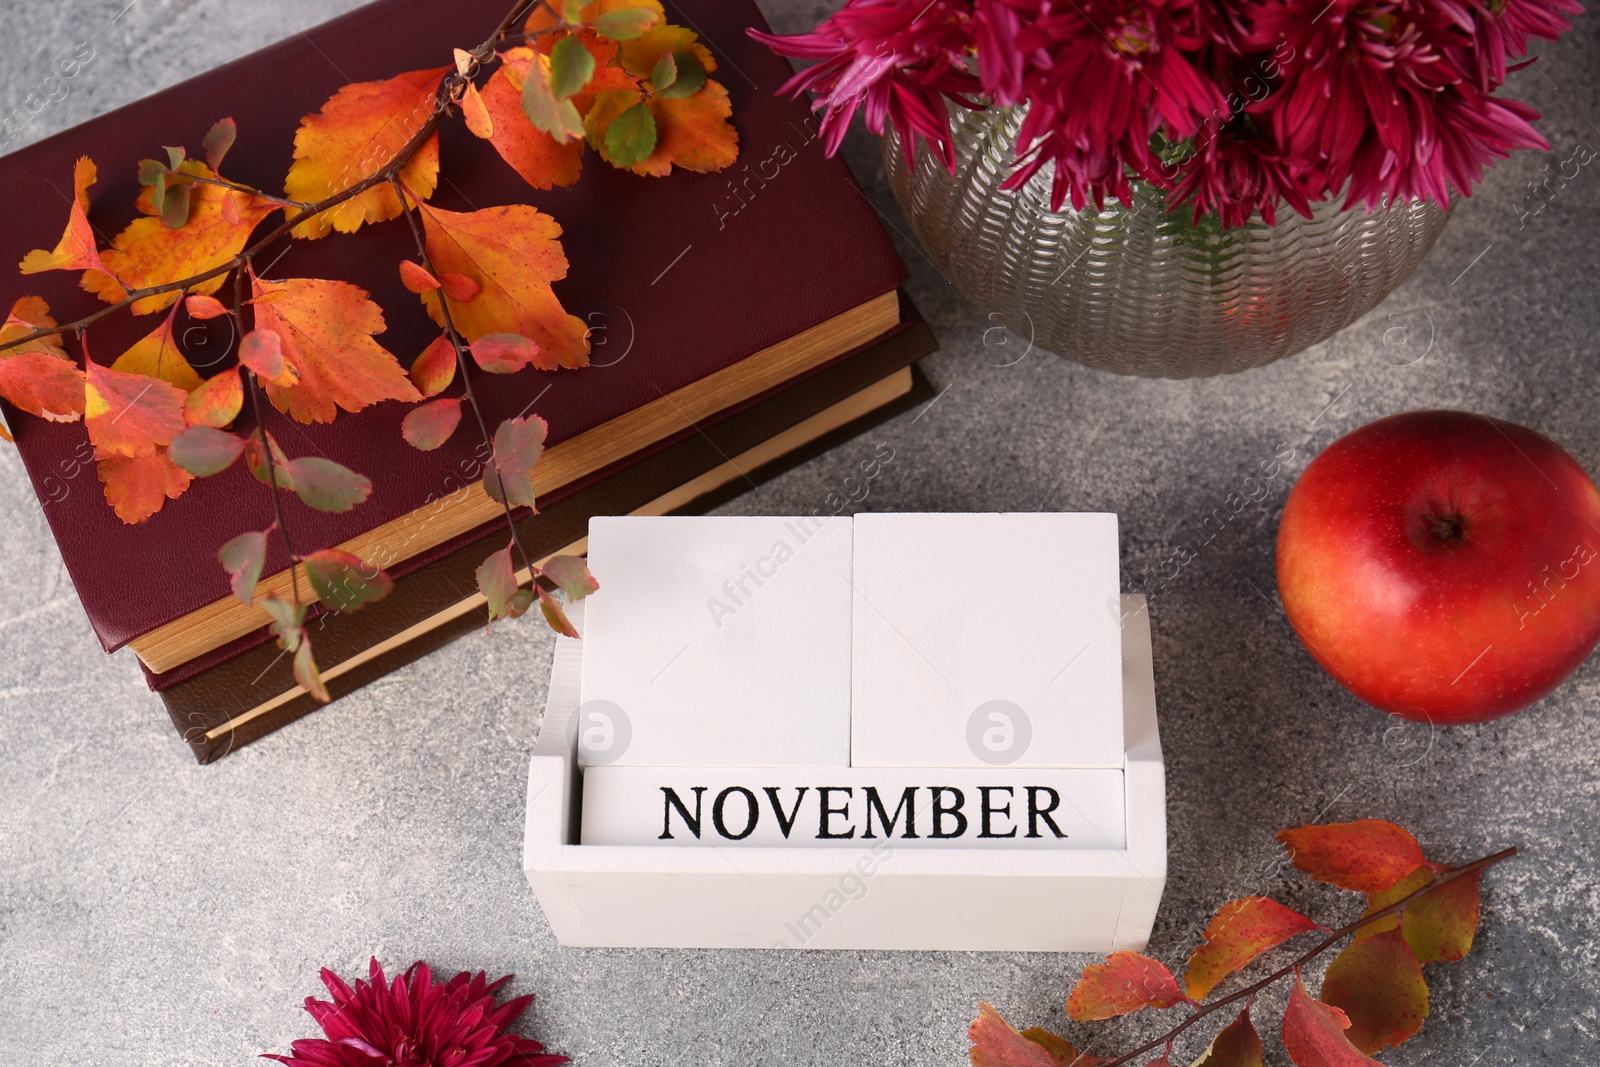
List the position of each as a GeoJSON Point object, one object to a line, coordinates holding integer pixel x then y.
{"type": "Point", "coordinates": [552, 79]}
{"type": "Point", "coordinates": [1373, 993]}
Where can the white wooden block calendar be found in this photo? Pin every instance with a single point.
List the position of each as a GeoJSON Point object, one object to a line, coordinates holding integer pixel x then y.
{"type": "Point", "coordinates": [776, 837]}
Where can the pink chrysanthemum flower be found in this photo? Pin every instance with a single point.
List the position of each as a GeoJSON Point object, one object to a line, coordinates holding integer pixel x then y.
{"type": "Point", "coordinates": [898, 60]}
{"type": "Point", "coordinates": [415, 1021]}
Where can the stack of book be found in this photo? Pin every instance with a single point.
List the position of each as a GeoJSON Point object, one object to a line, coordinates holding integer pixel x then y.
{"type": "Point", "coordinates": [741, 322]}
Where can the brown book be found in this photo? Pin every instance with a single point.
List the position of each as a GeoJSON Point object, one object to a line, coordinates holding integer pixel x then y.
{"type": "Point", "coordinates": [731, 286]}
{"type": "Point", "coordinates": [245, 695]}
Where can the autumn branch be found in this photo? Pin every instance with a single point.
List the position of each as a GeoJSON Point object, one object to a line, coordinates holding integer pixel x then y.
{"type": "Point", "coordinates": [1333, 938]}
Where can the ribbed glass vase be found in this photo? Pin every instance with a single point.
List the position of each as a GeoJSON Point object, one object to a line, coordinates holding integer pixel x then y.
{"type": "Point", "coordinates": [1140, 290]}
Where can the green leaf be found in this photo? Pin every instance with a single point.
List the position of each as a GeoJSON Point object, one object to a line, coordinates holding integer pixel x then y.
{"type": "Point", "coordinates": [152, 172]}
{"type": "Point", "coordinates": [205, 450]}
{"type": "Point", "coordinates": [571, 574]}
{"type": "Point", "coordinates": [286, 620]}
{"type": "Point", "coordinates": [218, 140]}
{"type": "Point", "coordinates": [242, 559]}
{"type": "Point", "coordinates": [665, 73]}
{"type": "Point", "coordinates": [326, 485]}
{"type": "Point", "coordinates": [343, 582]}
{"type": "Point", "coordinates": [632, 136]}
{"type": "Point", "coordinates": [690, 76]}
{"type": "Point", "coordinates": [175, 156]}
{"type": "Point", "coordinates": [554, 116]}
{"type": "Point", "coordinates": [555, 617]}
{"type": "Point", "coordinates": [518, 443]}
{"type": "Point", "coordinates": [626, 23]}
{"type": "Point", "coordinates": [571, 67]}
{"type": "Point", "coordinates": [175, 206]}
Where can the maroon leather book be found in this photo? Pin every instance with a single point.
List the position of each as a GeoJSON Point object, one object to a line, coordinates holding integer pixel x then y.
{"type": "Point", "coordinates": [698, 271]}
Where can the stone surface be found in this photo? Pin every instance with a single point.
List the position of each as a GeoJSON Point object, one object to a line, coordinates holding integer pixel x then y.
{"type": "Point", "coordinates": [159, 913]}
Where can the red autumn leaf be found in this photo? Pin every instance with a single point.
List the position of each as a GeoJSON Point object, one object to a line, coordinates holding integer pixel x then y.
{"type": "Point", "coordinates": [505, 353]}
{"type": "Point", "coordinates": [42, 384]}
{"type": "Point", "coordinates": [508, 476]}
{"type": "Point", "coordinates": [325, 485]}
{"type": "Point", "coordinates": [1314, 1033]}
{"type": "Point", "coordinates": [1368, 856]}
{"type": "Point", "coordinates": [415, 277]}
{"type": "Point", "coordinates": [479, 122]}
{"type": "Point", "coordinates": [459, 287]}
{"type": "Point", "coordinates": [996, 1044]}
{"type": "Point", "coordinates": [1237, 935]}
{"type": "Point", "coordinates": [28, 314]}
{"type": "Point", "coordinates": [261, 351]}
{"type": "Point", "coordinates": [243, 558]}
{"type": "Point", "coordinates": [217, 401]}
{"type": "Point", "coordinates": [130, 414]}
{"type": "Point", "coordinates": [571, 575]}
{"type": "Point", "coordinates": [429, 426]}
{"type": "Point", "coordinates": [555, 617]}
{"type": "Point", "coordinates": [343, 582]}
{"type": "Point", "coordinates": [205, 450]}
{"type": "Point", "coordinates": [513, 254]}
{"type": "Point", "coordinates": [1377, 982]}
{"type": "Point", "coordinates": [1439, 924]}
{"type": "Point", "coordinates": [326, 329]}
{"type": "Point", "coordinates": [543, 162]}
{"type": "Point", "coordinates": [76, 250]}
{"type": "Point", "coordinates": [156, 355]}
{"type": "Point", "coordinates": [1238, 1045]}
{"type": "Point", "coordinates": [359, 131]}
{"type": "Point", "coordinates": [497, 581]}
{"type": "Point", "coordinates": [434, 370]}
{"type": "Point", "coordinates": [149, 253]}
{"type": "Point", "coordinates": [1126, 982]}
{"type": "Point", "coordinates": [136, 487]}
{"type": "Point", "coordinates": [205, 307]}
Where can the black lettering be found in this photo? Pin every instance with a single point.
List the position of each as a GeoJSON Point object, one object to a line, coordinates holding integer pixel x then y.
{"type": "Point", "coordinates": [673, 800]}
{"type": "Point", "coordinates": [752, 813]}
{"type": "Point", "coordinates": [907, 804]}
{"type": "Point", "coordinates": [987, 810]}
{"type": "Point", "coordinates": [1035, 812]}
{"type": "Point", "coordinates": [822, 802]}
{"type": "Point", "coordinates": [777, 809]}
{"type": "Point", "coordinates": [954, 812]}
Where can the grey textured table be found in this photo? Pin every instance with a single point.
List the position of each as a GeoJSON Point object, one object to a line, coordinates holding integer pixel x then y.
{"type": "Point", "coordinates": [154, 912]}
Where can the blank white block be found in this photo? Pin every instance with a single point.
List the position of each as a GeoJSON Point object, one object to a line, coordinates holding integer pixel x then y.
{"type": "Point", "coordinates": [986, 640]}
{"type": "Point", "coordinates": [717, 640]}
{"type": "Point", "coordinates": [852, 807]}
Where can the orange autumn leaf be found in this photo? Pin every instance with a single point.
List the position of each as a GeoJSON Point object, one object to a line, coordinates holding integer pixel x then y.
{"type": "Point", "coordinates": [326, 330]}
{"type": "Point", "coordinates": [1368, 856]}
{"type": "Point", "coordinates": [1314, 1033]}
{"type": "Point", "coordinates": [415, 277]}
{"type": "Point", "coordinates": [30, 313]}
{"type": "Point", "coordinates": [640, 55]}
{"type": "Point", "coordinates": [513, 254]}
{"type": "Point", "coordinates": [76, 250]}
{"type": "Point", "coordinates": [541, 18]}
{"type": "Point", "coordinates": [1125, 982]}
{"type": "Point", "coordinates": [205, 307]}
{"type": "Point", "coordinates": [359, 131]}
{"type": "Point", "coordinates": [42, 384]}
{"type": "Point", "coordinates": [130, 414]}
{"type": "Point", "coordinates": [434, 370]}
{"type": "Point", "coordinates": [478, 119]}
{"type": "Point", "coordinates": [157, 355]}
{"type": "Point", "coordinates": [692, 132]}
{"type": "Point", "coordinates": [148, 253]}
{"type": "Point", "coordinates": [136, 487]}
{"type": "Point", "coordinates": [1378, 984]}
{"type": "Point", "coordinates": [1239, 933]}
{"type": "Point", "coordinates": [217, 401]}
{"type": "Point", "coordinates": [543, 162]}
{"type": "Point", "coordinates": [995, 1043]}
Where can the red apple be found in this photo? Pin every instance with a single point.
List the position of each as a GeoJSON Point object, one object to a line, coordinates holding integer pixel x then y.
{"type": "Point", "coordinates": [1442, 566]}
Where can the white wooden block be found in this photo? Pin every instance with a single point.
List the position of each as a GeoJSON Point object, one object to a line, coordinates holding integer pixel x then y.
{"type": "Point", "coordinates": [986, 640]}
{"type": "Point", "coordinates": [881, 895]}
{"type": "Point", "coordinates": [717, 640]}
{"type": "Point", "coordinates": [830, 807]}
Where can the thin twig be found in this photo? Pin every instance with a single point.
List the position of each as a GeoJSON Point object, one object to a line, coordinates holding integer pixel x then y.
{"type": "Point", "coordinates": [463, 368]}
{"type": "Point", "coordinates": [1328, 942]}
{"type": "Point", "coordinates": [238, 187]}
